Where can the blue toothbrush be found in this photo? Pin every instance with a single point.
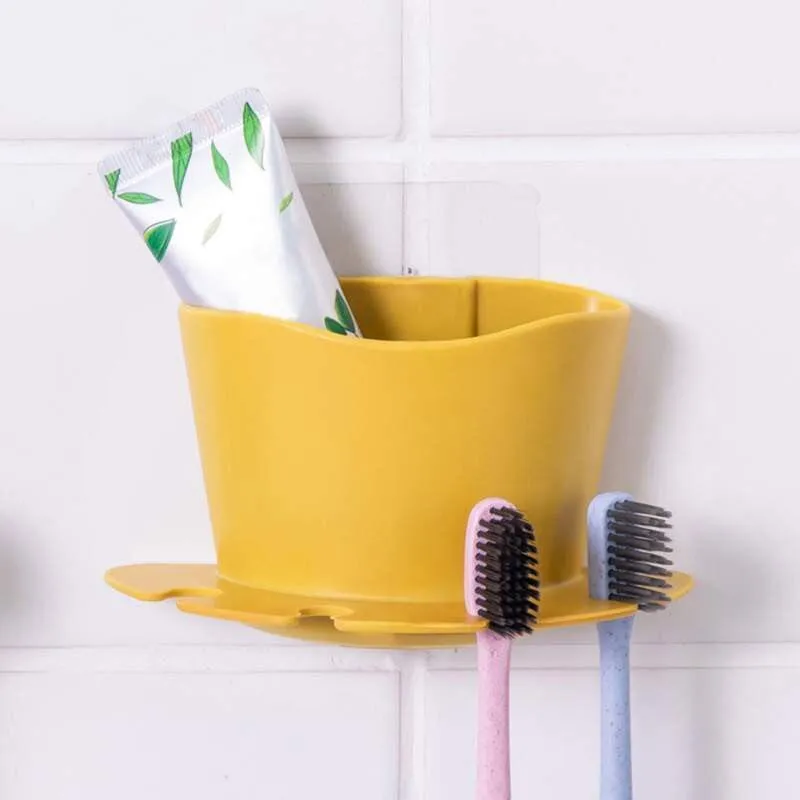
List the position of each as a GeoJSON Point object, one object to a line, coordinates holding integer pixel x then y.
{"type": "Point", "coordinates": [627, 541]}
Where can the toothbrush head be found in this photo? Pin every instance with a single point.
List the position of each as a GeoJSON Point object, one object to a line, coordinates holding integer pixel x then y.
{"type": "Point", "coordinates": [501, 573]}
{"type": "Point", "coordinates": [627, 546]}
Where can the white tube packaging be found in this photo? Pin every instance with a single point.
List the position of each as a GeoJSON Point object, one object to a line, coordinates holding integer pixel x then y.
{"type": "Point", "coordinates": [217, 204]}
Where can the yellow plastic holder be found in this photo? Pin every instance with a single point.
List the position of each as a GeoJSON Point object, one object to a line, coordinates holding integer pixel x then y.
{"type": "Point", "coordinates": [340, 472]}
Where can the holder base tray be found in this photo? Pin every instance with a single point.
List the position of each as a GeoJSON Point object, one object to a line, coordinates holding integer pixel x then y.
{"type": "Point", "coordinates": [358, 623]}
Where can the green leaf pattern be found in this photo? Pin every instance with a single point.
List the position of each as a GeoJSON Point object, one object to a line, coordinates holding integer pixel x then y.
{"type": "Point", "coordinates": [139, 198]}
{"type": "Point", "coordinates": [157, 237]}
{"type": "Point", "coordinates": [286, 202]}
{"type": "Point", "coordinates": [335, 327]}
{"type": "Point", "coordinates": [253, 134]}
{"type": "Point", "coordinates": [112, 180]}
{"type": "Point", "coordinates": [181, 155]}
{"type": "Point", "coordinates": [343, 312]}
{"type": "Point", "coordinates": [345, 323]}
{"type": "Point", "coordinates": [212, 228]}
{"type": "Point", "coordinates": [221, 166]}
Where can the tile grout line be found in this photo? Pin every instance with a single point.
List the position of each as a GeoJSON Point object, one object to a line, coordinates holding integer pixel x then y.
{"type": "Point", "coordinates": [415, 93]}
{"type": "Point", "coordinates": [230, 659]}
{"type": "Point", "coordinates": [188, 659]}
{"type": "Point", "coordinates": [411, 752]}
{"type": "Point", "coordinates": [579, 657]}
{"type": "Point", "coordinates": [418, 150]}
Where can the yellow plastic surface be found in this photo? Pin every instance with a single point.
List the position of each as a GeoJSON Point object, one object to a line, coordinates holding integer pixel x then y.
{"type": "Point", "coordinates": [200, 591]}
{"type": "Point", "coordinates": [340, 472]}
{"type": "Point", "coordinates": [344, 467]}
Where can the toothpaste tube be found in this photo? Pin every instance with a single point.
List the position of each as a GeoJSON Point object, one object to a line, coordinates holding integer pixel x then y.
{"type": "Point", "coordinates": [217, 204]}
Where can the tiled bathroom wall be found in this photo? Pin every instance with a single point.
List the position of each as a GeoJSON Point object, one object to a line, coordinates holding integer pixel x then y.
{"type": "Point", "coordinates": [652, 152]}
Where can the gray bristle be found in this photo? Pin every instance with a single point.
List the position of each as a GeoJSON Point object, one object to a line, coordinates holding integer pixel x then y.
{"type": "Point", "coordinates": [507, 572]}
{"type": "Point", "coordinates": [638, 570]}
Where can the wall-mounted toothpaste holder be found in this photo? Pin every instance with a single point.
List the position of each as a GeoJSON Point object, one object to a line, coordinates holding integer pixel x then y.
{"type": "Point", "coordinates": [340, 471]}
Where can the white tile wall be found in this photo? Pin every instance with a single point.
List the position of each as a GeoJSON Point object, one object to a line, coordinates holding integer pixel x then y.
{"type": "Point", "coordinates": [515, 68]}
{"type": "Point", "coordinates": [103, 70]}
{"type": "Point", "coordinates": [699, 734]}
{"type": "Point", "coordinates": [360, 225]}
{"type": "Point", "coordinates": [483, 228]}
{"type": "Point", "coordinates": [189, 735]}
{"type": "Point", "coordinates": [710, 255]}
{"type": "Point", "coordinates": [98, 464]}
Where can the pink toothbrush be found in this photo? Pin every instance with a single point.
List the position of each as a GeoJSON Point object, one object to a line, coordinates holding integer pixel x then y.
{"type": "Point", "coordinates": [501, 584]}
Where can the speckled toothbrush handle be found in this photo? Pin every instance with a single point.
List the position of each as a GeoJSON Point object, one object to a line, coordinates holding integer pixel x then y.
{"type": "Point", "coordinates": [615, 736]}
{"type": "Point", "coordinates": [494, 768]}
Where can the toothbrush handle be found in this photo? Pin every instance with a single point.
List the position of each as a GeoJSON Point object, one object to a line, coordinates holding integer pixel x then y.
{"type": "Point", "coordinates": [615, 739]}
{"type": "Point", "coordinates": [494, 768]}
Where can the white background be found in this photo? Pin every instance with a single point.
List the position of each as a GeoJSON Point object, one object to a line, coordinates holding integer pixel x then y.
{"type": "Point", "coordinates": [650, 151]}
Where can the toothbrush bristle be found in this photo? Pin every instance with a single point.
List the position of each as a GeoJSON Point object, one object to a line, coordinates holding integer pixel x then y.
{"type": "Point", "coordinates": [507, 572]}
{"type": "Point", "coordinates": [638, 572]}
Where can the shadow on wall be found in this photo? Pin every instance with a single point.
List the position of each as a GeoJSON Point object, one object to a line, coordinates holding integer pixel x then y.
{"type": "Point", "coordinates": [329, 204]}
{"type": "Point", "coordinates": [720, 608]}
{"type": "Point", "coordinates": [15, 583]}
{"type": "Point", "coordinates": [336, 222]}
{"type": "Point", "coordinates": [704, 739]}
{"type": "Point", "coordinates": [294, 122]}
{"type": "Point", "coordinates": [646, 373]}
